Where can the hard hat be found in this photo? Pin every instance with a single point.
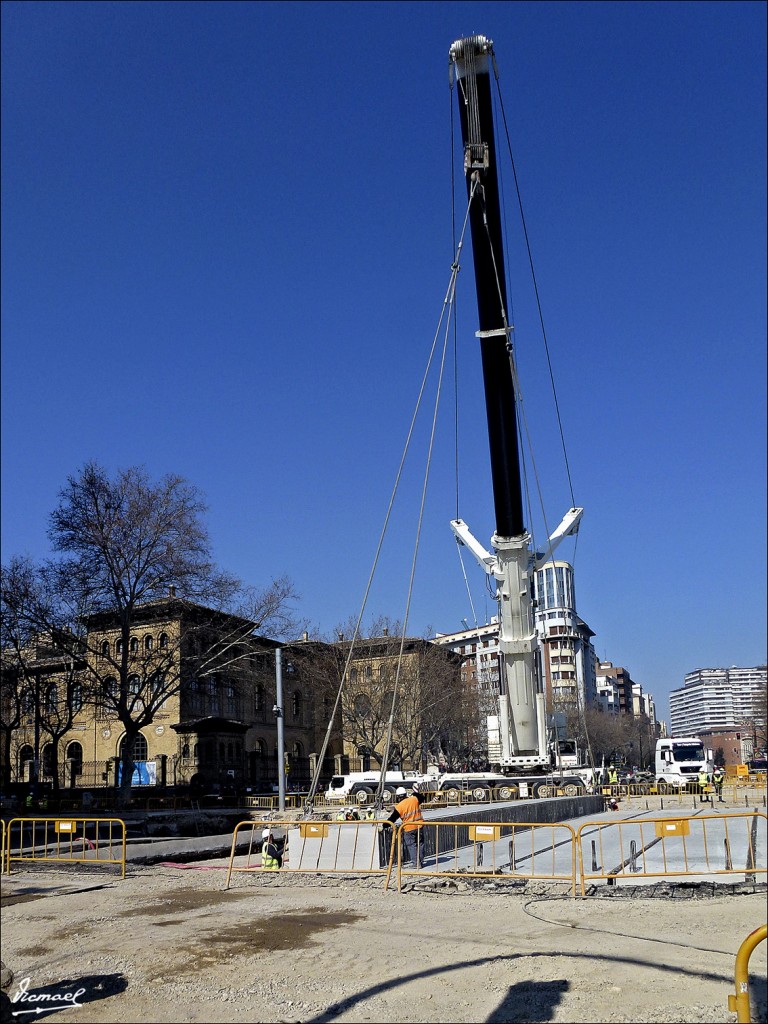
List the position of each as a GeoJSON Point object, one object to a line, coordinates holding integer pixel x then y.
{"type": "Point", "coordinates": [266, 833]}
{"type": "Point", "coordinates": [400, 791]}
{"type": "Point", "coordinates": [610, 766]}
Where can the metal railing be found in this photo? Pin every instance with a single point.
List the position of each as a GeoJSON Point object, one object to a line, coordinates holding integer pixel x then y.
{"type": "Point", "coordinates": [517, 850]}
{"type": "Point", "coordinates": [91, 841]}
{"type": "Point", "coordinates": [714, 844]}
{"type": "Point", "coordinates": [739, 1003]}
{"type": "Point", "coordinates": [314, 846]}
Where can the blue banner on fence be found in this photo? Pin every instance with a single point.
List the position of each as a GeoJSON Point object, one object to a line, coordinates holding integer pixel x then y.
{"type": "Point", "coordinates": [144, 773]}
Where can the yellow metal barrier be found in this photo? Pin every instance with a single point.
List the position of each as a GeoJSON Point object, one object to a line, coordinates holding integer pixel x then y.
{"type": "Point", "coordinates": [2, 846]}
{"type": "Point", "coordinates": [314, 846]}
{"type": "Point", "coordinates": [519, 850]}
{"type": "Point", "coordinates": [66, 841]}
{"type": "Point", "coordinates": [739, 1003]}
{"type": "Point", "coordinates": [713, 844]}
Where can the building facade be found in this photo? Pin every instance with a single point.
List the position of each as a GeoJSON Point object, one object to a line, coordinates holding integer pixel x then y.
{"type": "Point", "coordinates": [200, 682]}
{"type": "Point", "coordinates": [720, 699]}
{"type": "Point", "coordinates": [568, 660]}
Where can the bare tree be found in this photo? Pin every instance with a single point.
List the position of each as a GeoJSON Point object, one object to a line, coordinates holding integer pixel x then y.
{"type": "Point", "coordinates": [128, 546]}
{"type": "Point", "coordinates": [421, 691]}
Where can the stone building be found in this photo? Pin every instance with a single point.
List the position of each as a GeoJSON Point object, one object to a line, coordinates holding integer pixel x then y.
{"type": "Point", "coordinates": [201, 683]}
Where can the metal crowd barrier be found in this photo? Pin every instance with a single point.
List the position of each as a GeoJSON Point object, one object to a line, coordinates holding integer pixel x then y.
{"type": "Point", "coordinates": [3, 839]}
{"type": "Point", "coordinates": [722, 845]}
{"type": "Point", "coordinates": [519, 850]}
{"type": "Point", "coordinates": [90, 841]}
{"type": "Point", "coordinates": [739, 1003]}
{"type": "Point", "coordinates": [315, 846]}
{"type": "Point", "coordinates": [719, 844]}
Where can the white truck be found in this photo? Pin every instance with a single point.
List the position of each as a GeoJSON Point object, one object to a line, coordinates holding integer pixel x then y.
{"type": "Point", "coordinates": [360, 787]}
{"type": "Point", "coordinates": [679, 761]}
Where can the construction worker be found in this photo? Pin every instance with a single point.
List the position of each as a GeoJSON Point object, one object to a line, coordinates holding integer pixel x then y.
{"type": "Point", "coordinates": [408, 810]}
{"type": "Point", "coordinates": [719, 778]}
{"type": "Point", "coordinates": [703, 781]}
{"type": "Point", "coordinates": [271, 858]}
{"type": "Point", "coordinates": [613, 776]}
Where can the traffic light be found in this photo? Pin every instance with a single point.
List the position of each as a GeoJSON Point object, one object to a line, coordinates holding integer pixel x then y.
{"type": "Point", "coordinates": [286, 763]}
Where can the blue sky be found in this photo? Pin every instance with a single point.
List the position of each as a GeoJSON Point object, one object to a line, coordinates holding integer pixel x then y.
{"type": "Point", "coordinates": [227, 236]}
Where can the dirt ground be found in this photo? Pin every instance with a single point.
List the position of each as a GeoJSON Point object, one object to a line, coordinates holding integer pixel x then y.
{"type": "Point", "coordinates": [169, 943]}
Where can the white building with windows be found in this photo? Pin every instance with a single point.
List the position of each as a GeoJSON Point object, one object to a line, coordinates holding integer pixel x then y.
{"type": "Point", "coordinates": [717, 698]}
{"type": "Point", "coordinates": [568, 660]}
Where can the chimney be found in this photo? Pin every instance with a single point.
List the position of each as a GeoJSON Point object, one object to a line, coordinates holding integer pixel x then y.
{"type": "Point", "coordinates": [171, 591]}
{"type": "Point", "coordinates": [385, 631]}
{"type": "Point", "coordinates": [305, 635]}
{"type": "Point", "coordinates": [341, 636]}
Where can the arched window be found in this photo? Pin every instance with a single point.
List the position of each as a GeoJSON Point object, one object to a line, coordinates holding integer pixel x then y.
{"type": "Point", "coordinates": [213, 695]}
{"type": "Point", "coordinates": [362, 705]}
{"type": "Point", "coordinates": [46, 761]}
{"type": "Point", "coordinates": [110, 692]}
{"type": "Point", "coordinates": [368, 671]}
{"type": "Point", "coordinates": [77, 697]}
{"type": "Point", "coordinates": [134, 685]}
{"type": "Point", "coordinates": [148, 642]}
{"type": "Point", "coordinates": [297, 702]}
{"type": "Point", "coordinates": [297, 750]}
{"type": "Point", "coordinates": [163, 640]}
{"type": "Point", "coordinates": [140, 750]}
{"type": "Point", "coordinates": [134, 645]}
{"type": "Point", "coordinates": [75, 755]}
{"type": "Point", "coordinates": [26, 761]}
{"type": "Point", "coordinates": [118, 646]}
{"type": "Point", "coordinates": [28, 703]}
{"type": "Point", "coordinates": [258, 698]}
{"type": "Point", "coordinates": [185, 748]}
{"type": "Point", "coordinates": [261, 748]}
{"type": "Point", "coordinates": [105, 649]}
{"type": "Point", "coordinates": [51, 699]}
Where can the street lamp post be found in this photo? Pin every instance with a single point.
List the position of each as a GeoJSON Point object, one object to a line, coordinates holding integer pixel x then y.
{"type": "Point", "coordinates": [278, 710]}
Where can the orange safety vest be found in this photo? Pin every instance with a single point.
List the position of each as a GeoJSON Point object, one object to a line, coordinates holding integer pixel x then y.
{"type": "Point", "coordinates": [410, 813]}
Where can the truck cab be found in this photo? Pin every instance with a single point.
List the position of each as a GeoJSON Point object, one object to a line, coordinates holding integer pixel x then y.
{"type": "Point", "coordinates": [679, 761]}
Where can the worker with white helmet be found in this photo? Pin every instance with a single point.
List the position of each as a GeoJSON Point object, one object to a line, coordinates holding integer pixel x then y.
{"type": "Point", "coordinates": [408, 810]}
{"type": "Point", "coordinates": [271, 858]}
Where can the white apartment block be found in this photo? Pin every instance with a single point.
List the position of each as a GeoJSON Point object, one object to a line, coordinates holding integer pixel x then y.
{"type": "Point", "coordinates": [717, 698]}
{"type": "Point", "coordinates": [479, 649]}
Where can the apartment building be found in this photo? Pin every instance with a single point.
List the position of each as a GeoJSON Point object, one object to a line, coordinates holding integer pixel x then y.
{"type": "Point", "coordinates": [719, 699]}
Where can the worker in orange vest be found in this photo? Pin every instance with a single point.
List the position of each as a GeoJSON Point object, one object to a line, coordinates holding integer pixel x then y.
{"type": "Point", "coordinates": [408, 810]}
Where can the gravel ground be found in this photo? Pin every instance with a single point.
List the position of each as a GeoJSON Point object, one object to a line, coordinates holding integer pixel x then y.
{"type": "Point", "coordinates": [169, 943]}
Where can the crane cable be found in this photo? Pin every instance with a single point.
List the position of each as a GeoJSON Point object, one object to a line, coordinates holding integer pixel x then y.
{"type": "Point", "coordinates": [520, 405]}
{"type": "Point", "coordinates": [447, 307]}
{"type": "Point", "coordinates": [449, 303]}
{"type": "Point", "coordinates": [533, 275]}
